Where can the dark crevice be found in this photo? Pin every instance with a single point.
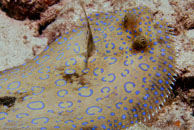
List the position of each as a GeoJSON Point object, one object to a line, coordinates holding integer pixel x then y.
{"type": "Point", "coordinates": [21, 10]}
{"type": "Point", "coordinates": [8, 101]}
{"type": "Point", "coordinates": [184, 89]}
{"type": "Point", "coordinates": [88, 128]}
{"type": "Point", "coordinates": [70, 77]}
{"type": "Point", "coordinates": [191, 28]}
{"type": "Point", "coordinates": [43, 26]}
{"type": "Point", "coordinates": [185, 83]}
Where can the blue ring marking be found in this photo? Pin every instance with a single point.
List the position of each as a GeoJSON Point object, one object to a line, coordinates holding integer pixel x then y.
{"type": "Point", "coordinates": [69, 111]}
{"type": "Point", "coordinates": [47, 57]}
{"type": "Point", "coordinates": [90, 94]}
{"type": "Point", "coordinates": [144, 79]}
{"type": "Point", "coordinates": [144, 64]}
{"type": "Point", "coordinates": [71, 104]}
{"type": "Point", "coordinates": [113, 45]}
{"type": "Point", "coordinates": [123, 73]}
{"type": "Point", "coordinates": [101, 117]}
{"type": "Point", "coordinates": [98, 99]}
{"type": "Point", "coordinates": [128, 36]}
{"type": "Point", "coordinates": [65, 39]}
{"type": "Point", "coordinates": [140, 57]}
{"type": "Point", "coordinates": [20, 115]}
{"type": "Point", "coordinates": [22, 65]}
{"type": "Point", "coordinates": [72, 59]}
{"type": "Point", "coordinates": [4, 114]}
{"type": "Point", "coordinates": [51, 111]}
{"type": "Point", "coordinates": [101, 70]}
{"type": "Point", "coordinates": [56, 82]}
{"type": "Point", "coordinates": [127, 89]}
{"type": "Point", "coordinates": [56, 127]}
{"type": "Point", "coordinates": [104, 35]}
{"type": "Point", "coordinates": [89, 108]}
{"type": "Point", "coordinates": [111, 74]}
{"type": "Point", "coordinates": [27, 97]}
{"type": "Point", "coordinates": [34, 120]}
{"type": "Point", "coordinates": [119, 28]}
{"type": "Point", "coordinates": [73, 71]}
{"type": "Point", "coordinates": [125, 63]}
{"type": "Point", "coordinates": [96, 37]}
{"type": "Point", "coordinates": [85, 70]}
{"type": "Point", "coordinates": [48, 67]}
{"type": "Point", "coordinates": [9, 85]}
{"type": "Point", "coordinates": [46, 77]}
{"type": "Point", "coordinates": [47, 47]}
{"type": "Point", "coordinates": [78, 49]}
{"type": "Point", "coordinates": [37, 87]}
{"type": "Point", "coordinates": [28, 105]}
{"type": "Point", "coordinates": [36, 57]}
{"type": "Point", "coordinates": [66, 122]}
{"type": "Point", "coordinates": [15, 70]}
{"type": "Point", "coordinates": [125, 98]}
{"type": "Point", "coordinates": [65, 92]}
{"type": "Point", "coordinates": [79, 118]}
{"type": "Point", "coordinates": [93, 60]}
{"type": "Point", "coordinates": [111, 28]}
{"type": "Point", "coordinates": [117, 105]}
{"type": "Point", "coordinates": [43, 128]}
{"type": "Point", "coordinates": [105, 89]}
{"type": "Point", "coordinates": [119, 33]}
{"type": "Point", "coordinates": [115, 60]}
{"type": "Point", "coordinates": [84, 123]}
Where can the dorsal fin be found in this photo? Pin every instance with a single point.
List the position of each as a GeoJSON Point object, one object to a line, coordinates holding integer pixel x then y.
{"type": "Point", "coordinates": [90, 42]}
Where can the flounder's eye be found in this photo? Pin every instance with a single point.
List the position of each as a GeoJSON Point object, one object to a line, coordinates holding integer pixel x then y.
{"type": "Point", "coordinates": [140, 43]}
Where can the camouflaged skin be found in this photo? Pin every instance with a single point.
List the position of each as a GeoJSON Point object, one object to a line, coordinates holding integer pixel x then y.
{"type": "Point", "coordinates": [121, 84]}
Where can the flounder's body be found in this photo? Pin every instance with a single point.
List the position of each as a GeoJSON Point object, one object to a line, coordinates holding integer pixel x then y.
{"type": "Point", "coordinates": [124, 81]}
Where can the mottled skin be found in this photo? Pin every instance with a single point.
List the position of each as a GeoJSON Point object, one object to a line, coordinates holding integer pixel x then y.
{"type": "Point", "coordinates": [116, 86]}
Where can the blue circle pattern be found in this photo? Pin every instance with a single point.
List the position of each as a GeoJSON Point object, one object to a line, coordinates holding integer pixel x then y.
{"type": "Point", "coordinates": [86, 91]}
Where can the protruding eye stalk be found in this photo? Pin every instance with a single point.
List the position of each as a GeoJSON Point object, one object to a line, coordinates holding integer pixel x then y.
{"type": "Point", "coordinates": [140, 43]}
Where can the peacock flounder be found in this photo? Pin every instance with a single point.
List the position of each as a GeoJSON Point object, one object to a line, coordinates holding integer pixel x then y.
{"type": "Point", "coordinates": [124, 80]}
